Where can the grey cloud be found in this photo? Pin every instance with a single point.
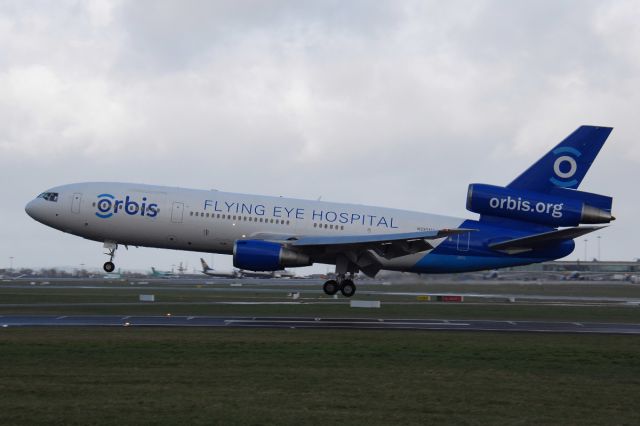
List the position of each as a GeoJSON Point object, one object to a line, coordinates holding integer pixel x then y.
{"type": "Point", "coordinates": [398, 104]}
{"type": "Point", "coordinates": [169, 35]}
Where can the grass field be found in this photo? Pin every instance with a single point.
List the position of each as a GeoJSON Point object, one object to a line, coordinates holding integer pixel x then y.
{"type": "Point", "coordinates": [79, 376]}
{"type": "Point", "coordinates": [244, 377]}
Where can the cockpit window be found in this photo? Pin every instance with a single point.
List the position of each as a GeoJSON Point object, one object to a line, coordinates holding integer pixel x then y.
{"type": "Point", "coordinates": [49, 196]}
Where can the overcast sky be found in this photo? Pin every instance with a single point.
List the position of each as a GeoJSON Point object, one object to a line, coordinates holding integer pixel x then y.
{"type": "Point", "coordinates": [392, 103]}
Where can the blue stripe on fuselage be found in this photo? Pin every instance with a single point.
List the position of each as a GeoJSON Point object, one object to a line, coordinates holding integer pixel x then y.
{"type": "Point", "coordinates": [455, 255]}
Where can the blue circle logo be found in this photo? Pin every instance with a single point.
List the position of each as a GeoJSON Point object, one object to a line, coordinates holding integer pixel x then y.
{"type": "Point", "coordinates": [565, 167]}
{"type": "Point", "coordinates": [105, 203]}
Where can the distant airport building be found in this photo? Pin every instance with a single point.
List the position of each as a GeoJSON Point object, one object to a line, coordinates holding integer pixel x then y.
{"type": "Point", "coordinates": [615, 266]}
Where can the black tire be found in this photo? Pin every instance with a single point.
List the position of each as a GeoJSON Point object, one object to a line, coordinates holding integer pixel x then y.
{"type": "Point", "coordinates": [348, 288]}
{"type": "Point", "coordinates": [109, 267]}
{"type": "Point", "coordinates": [330, 287]}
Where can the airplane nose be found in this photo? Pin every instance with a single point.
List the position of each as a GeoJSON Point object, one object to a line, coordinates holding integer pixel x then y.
{"type": "Point", "coordinates": [34, 209]}
{"type": "Point", "coordinates": [29, 208]}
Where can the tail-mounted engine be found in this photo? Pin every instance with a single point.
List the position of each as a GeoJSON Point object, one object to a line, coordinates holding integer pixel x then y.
{"type": "Point", "coordinates": [560, 207]}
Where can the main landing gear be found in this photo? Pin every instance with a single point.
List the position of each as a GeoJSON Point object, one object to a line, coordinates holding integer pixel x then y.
{"type": "Point", "coordinates": [111, 252]}
{"type": "Point", "coordinates": [345, 271]}
{"type": "Point", "coordinates": [342, 284]}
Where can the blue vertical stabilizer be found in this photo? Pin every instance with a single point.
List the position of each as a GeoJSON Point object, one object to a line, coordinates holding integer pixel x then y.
{"type": "Point", "coordinates": [567, 164]}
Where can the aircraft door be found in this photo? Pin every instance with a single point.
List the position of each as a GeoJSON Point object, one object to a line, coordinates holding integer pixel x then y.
{"type": "Point", "coordinates": [463, 241]}
{"type": "Point", "coordinates": [177, 212]}
{"type": "Point", "coordinates": [75, 203]}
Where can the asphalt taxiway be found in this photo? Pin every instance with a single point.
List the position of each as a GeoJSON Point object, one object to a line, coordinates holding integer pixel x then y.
{"type": "Point", "coordinates": [7, 321]}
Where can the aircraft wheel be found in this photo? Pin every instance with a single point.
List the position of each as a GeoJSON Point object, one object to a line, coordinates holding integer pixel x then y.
{"type": "Point", "coordinates": [109, 267]}
{"type": "Point", "coordinates": [348, 288]}
{"type": "Point", "coordinates": [330, 287]}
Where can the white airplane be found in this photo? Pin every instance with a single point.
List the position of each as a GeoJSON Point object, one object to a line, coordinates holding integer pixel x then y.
{"type": "Point", "coordinates": [267, 274]}
{"type": "Point", "coordinates": [239, 273]}
{"type": "Point", "coordinates": [518, 224]}
{"type": "Point", "coordinates": [220, 274]}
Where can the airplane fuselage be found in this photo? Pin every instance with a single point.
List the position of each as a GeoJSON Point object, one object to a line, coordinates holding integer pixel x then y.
{"type": "Point", "coordinates": [212, 221]}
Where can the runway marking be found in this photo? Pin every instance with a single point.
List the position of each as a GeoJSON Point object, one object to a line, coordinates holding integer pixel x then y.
{"type": "Point", "coordinates": [124, 318]}
{"type": "Point", "coordinates": [320, 323]}
{"type": "Point", "coordinates": [240, 321]}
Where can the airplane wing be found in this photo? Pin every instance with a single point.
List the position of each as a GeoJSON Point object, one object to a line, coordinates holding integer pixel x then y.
{"type": "Point", "coordinates": [388, 246]}
{"type": "Point", "coordinates": [360, 249]}
{"type": "Point", "coordinates": [376, 239]}
{"type": "Point", "coordinates": [531, 242]}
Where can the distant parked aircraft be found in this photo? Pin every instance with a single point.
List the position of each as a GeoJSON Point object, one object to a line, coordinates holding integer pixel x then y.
{"type": "Point", "coordinates": [161, 274]}
{"type": "Point", "coordinates": [237, 273]}
{"type": "Point", "coordinates": [220, 274]}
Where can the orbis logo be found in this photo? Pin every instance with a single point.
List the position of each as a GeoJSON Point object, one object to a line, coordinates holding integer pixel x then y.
{"type": "Point", "coordinates": [526, 206]}
{"type": "Point", "coordinates": [108, 205]}
{"type": "Point", "coordinates": [565, 167]}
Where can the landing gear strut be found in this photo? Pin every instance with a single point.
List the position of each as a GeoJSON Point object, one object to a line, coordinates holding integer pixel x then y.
{"type": "Point", "coordinates": [111, 252]}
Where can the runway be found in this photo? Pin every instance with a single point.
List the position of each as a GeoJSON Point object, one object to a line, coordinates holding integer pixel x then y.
{"type": "Point", "coordinates": [311, 288]}
{"type": "Point", "coordinates": [7, 321]}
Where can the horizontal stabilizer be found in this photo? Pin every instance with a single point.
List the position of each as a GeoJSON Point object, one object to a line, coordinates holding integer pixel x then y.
{"type": "Point", "coordinates": [531, 242]}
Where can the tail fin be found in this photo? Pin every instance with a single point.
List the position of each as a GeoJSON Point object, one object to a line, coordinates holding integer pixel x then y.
{"type": "Point", "coordinates": [205, 267]}
{"type": "Point", "coordinates": [567, 164]}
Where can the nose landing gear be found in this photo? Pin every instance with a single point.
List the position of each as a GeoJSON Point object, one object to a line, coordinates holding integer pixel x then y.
{"type": "Point", "coordinates": [109, 266]}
